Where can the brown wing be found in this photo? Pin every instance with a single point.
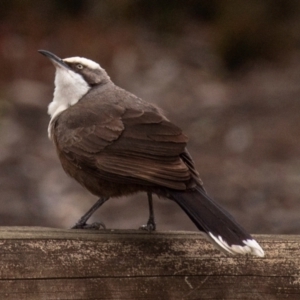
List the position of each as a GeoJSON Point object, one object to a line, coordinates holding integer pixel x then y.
{"type": "Point", "coordinates": [119, 143]}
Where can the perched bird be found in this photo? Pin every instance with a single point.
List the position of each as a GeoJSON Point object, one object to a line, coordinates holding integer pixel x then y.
{"type": "Point", "coordinates": [114, 144]}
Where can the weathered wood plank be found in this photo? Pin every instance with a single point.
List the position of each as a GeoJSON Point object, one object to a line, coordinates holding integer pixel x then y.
{"type": "Point", "coordinates": [44, 263]}
{"type": "Point", "coordinates": [157, 288]}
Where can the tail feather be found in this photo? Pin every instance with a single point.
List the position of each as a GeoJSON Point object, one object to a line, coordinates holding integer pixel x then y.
{"type": "Point", "coordinates": [217, 223]}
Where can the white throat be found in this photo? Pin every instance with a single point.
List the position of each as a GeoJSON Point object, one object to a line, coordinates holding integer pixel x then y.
{"type": "Point", "coordinates": [69, 88]}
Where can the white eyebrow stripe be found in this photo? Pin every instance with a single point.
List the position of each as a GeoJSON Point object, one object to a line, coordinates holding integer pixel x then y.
{"type": "Point", "coordinates": [84, 61]}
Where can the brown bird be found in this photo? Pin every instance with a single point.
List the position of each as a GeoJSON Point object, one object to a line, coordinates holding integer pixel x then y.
{"type": "Point", "coordinates": [114, 144]}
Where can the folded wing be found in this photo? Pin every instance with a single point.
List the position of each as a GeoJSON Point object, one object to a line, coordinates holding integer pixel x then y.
{"type": "Point", "coordinates": [125, 144]}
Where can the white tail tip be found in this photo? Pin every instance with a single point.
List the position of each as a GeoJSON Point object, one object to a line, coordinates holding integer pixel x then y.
{"type": "Point", "coordinates": [250, 246]}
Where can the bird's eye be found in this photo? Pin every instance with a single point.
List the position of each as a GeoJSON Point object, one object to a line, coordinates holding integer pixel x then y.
{"type": "Point", "coordinates": [79, 66]}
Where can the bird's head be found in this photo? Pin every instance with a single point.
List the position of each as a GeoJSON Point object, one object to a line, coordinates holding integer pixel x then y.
{"type": "Point", "coordinates": [74, 77]}
{"type": "Point", "coordinates": [88, 70]}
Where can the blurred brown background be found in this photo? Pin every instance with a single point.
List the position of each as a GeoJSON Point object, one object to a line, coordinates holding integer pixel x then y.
{"type": "Point", "coordinates": [227, 72]}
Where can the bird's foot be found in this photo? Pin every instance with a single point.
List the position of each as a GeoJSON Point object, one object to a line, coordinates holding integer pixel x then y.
{"type": "Point", "coordinates": [93, 226]}
{"type": "Point", "coordinates": [150, 226]}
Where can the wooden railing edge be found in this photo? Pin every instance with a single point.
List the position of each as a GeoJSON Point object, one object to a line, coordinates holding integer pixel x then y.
{"type": "Point", "coordinates": [51, 263]}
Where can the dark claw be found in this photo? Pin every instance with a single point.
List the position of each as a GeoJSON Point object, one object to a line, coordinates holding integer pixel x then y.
{"type": "Point", "coordinates": [93, 226]}
{"type": "Point", "coordinates": [81, 224]}
{"type": "Point", "coordinates": [148, 227]}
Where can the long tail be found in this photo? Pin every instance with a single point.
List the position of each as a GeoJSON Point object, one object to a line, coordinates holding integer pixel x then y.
{"type": "Point", "coordinates": [218, 224]}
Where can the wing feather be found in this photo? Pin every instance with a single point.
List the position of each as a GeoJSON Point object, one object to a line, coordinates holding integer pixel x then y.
{"type": "Point", "coordinates": [118, 142]}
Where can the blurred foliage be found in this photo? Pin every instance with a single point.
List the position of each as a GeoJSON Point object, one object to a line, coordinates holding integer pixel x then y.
{"type": "Point", "coordinates": [266, 29]}
{"type": "Point", "coordinates": [240, 32]}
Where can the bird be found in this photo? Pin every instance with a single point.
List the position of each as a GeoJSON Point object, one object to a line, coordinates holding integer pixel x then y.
{"type": "Point", "coordinates": [116, 144]}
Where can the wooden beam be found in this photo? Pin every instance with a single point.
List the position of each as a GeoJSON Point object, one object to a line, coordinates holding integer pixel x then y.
{"type": "Point", "coordinates": [47, 263]}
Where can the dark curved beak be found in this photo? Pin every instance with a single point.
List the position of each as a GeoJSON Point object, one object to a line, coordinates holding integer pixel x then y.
{"type": "Point", "coordinates": [58, 62]}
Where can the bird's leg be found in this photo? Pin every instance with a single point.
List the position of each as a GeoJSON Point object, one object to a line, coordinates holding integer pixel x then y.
{"type": "Point", "coordinates": [150, 226]}
{"type": "Point", "coordinates": [81, 224]}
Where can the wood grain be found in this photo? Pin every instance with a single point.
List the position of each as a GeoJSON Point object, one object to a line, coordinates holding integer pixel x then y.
{"type": "Point", "coordinates": [47, 263]}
